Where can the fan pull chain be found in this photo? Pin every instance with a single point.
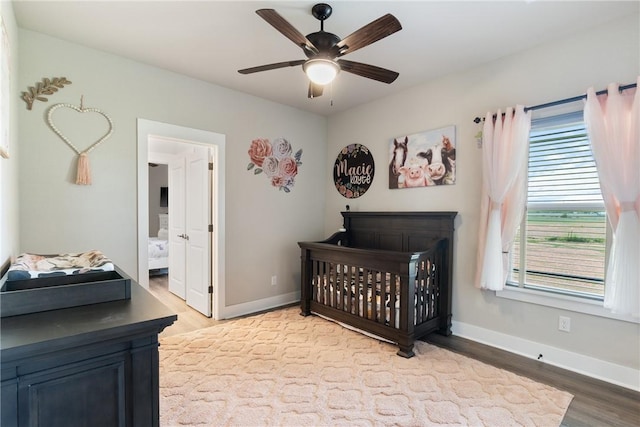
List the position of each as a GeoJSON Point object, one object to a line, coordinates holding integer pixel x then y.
{"type": "Point", "coordinates": [331, 92]}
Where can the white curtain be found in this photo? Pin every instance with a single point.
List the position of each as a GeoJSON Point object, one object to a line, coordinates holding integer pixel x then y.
{"type": "Point", "coordinates": [505, 150]}
{"type": "Point", "coordinates": [613, 123]}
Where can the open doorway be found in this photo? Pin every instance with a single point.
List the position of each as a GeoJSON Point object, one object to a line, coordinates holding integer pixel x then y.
{"type": "Point", "coordinates": [162, 143]}
{"type": "Point", "coordinates": [158, 214]}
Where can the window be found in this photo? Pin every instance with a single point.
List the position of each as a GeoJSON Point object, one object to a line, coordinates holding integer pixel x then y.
{"type": "Point", "coordinates": [561, 245]}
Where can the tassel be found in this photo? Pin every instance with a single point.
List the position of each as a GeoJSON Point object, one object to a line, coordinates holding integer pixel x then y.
{"type": "Point", "coordinates": [84, 171]}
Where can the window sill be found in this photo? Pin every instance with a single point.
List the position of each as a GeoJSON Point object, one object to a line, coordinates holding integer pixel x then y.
{"type": "Point", "coordinates": [565, 302]}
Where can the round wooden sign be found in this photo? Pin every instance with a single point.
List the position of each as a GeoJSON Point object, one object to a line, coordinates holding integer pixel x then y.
{"type": "Point", "coordinates": [353, 171]}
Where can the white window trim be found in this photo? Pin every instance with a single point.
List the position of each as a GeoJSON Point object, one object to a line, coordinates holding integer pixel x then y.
{"type": "Point", "coordinates": [577, 304]}
{"type": "Point", "coordinates": [594, 307]}
{"type": "Point", "coordinates": [564, 302]}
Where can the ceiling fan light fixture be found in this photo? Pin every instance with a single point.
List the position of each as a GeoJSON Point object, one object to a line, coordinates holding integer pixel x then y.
{"type": "Point", "coordinates": [321, 71]}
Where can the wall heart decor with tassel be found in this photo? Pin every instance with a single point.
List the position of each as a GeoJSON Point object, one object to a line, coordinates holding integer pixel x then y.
{"type": "Point", "coordinates": [83, 176]}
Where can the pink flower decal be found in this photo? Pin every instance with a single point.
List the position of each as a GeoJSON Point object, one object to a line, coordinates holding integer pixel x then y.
{"type": "Point", "coordinates": [260, 148]}
{"type": "Point", "coordinates": [288, 167]}
{"type": "Point", "coordinates": [276, 161]}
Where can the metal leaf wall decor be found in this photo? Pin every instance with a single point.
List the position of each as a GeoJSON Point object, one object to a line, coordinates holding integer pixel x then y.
{"type": "Point", "coordinates": [45, 87]}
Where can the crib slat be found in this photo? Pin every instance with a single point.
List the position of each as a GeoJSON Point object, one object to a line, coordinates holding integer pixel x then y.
{"type": "Point", "coordinates": [318, 287]}
{"type": "Point", "coordinates": [436, 281]}
{"type": "Point", "coordinates": [434, 294]}
{"type": "Point", "coordinates": [357, 290]}
{"type": "Point", "coordinates": [427, 291]}
{"type": "Point", "coordinates": [380, 291]}
{"type": "Point", "coordinates": [316, 280]}
{"type": "Point", "coordinates": [347, 290]}
{"type": "Point", "coordinates": [374, 295]}
{"type": "Point", "coordinates": [384, 286]}
{"type": "Point", "coordinates": [424, 293]}
{"type": "Point", "coordinates": [393, 292]}
{"type": "Point", "coordinates": [429, 286]}
{"type": "Point", "coordinates": [419, 295]}
{"type": "Point", "coordinates": [364, 293]}
{"type": "Point", "coordinates": [339, 291]}
{"type": "Point", "coordinates": [373, 285]}
{"type": "Point", "coordinates": [333, 271]}
{"type": "Point", "coordinates": [366, 280]}
{"type": "Point", "coordinates": [327, 287]}
{"type": "Point", "coordinates": [322, 282]}
{"type": "Point", "coordinates": [340, 287]}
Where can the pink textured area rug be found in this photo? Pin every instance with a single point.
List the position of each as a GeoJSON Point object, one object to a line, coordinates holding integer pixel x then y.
{"type": "Point", "coordinates": [281, 369]}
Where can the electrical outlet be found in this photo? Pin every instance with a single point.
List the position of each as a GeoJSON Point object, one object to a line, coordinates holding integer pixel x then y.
{"type": "Point", "coordinates": [274, 280]}
{"type": "Point", "coordinates": [564, 324]}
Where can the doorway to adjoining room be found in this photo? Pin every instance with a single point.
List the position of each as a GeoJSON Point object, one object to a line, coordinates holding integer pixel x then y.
{"type": "Point", "coordinates": [180, 184]}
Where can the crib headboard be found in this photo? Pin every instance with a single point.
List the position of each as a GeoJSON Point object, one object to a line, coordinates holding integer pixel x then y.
{"type": "Point", "coordinates": [398, 231]}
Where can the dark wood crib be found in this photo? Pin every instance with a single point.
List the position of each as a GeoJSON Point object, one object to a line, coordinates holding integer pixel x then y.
{"type": "Point", "coordinates": [388, 274]}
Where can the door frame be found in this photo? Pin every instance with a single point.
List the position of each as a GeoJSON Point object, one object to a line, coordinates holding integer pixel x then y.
{"type": "Point", "coordinates": [149, 128]}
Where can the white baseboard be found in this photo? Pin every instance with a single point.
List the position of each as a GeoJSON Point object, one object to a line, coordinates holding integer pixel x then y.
{"type": "Point", "coordinates": [585, 365]}
{"type": "Point", "coordinates": [260, 305]}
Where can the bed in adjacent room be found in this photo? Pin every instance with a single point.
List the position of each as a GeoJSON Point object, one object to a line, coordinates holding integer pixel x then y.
{"type": "Point", "coordinates": [159, 246]}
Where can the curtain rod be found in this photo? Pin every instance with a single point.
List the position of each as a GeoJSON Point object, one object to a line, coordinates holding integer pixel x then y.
{"type": "Point", "coordinates": [565, 101]}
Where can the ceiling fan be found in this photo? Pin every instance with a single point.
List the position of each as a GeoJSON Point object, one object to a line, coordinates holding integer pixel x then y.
{"type": "Point", "coordinates": [323, 49]}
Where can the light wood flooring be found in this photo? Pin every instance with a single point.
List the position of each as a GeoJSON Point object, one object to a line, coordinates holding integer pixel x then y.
{"type": "Point", "coordinates": [188, 318]}
{"type": "Point", "coordinates": [596, 403]}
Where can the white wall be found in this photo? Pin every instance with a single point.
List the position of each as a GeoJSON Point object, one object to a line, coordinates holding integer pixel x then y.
{"type": "Point", "coordinates": [9, 221]}
{"type": "Point", "coordinates": [262, 223]}
{"type": "Point", "coordinates": [562, 69]}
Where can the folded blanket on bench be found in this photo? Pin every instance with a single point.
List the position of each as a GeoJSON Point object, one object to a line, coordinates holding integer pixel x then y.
{"type": "Point", "coordinates": [31, 266]}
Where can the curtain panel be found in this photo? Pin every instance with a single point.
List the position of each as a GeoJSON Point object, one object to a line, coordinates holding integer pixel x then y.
{"type": "Point", "coordinates": [613, 124]}
{"type": "Point", "coordinates": [505, 152]}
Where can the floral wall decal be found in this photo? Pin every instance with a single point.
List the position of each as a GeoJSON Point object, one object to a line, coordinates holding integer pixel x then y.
{"type": "Point", "coordinates": [276, 160]}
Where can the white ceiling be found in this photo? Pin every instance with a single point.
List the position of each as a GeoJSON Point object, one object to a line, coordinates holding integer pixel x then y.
{"type": "Point", "coordinates": [211, 40]}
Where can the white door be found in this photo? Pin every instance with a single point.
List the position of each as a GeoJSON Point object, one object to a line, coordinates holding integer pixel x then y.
{"type": "Point", "coordinates": [177, 242]}
{"type": "Point", "coordinates": [197, 229]}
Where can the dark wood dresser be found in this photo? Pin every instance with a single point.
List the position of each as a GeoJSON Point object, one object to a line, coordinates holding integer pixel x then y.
{"type": "Point", "coordinates": [93, 365]}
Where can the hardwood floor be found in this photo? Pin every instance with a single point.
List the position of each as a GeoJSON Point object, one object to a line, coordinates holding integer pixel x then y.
{"type": "Point", "coordinates": [595, 402]}
{"type": "Point", "coordinates": [188, 318]}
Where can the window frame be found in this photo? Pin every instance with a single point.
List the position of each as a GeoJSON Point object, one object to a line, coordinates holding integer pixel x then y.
{"type": "Point", "coordinates": [587, 303]}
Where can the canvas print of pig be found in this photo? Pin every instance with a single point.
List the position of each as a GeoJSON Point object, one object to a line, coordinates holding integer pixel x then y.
{"type": "Point", "coordinates": [423, 159]}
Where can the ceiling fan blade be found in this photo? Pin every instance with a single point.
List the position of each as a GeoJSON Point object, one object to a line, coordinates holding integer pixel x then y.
{"type": "Point", "coordinates": [272, 66]}
{"type": "Point", "coordinates": [369, 71]}
{"type": "Point", "coordinates": [370, 33]}
{"type": "Point", "coordinates": [314, 90]}
{"type": "Point", "coordinates": [288, 30]}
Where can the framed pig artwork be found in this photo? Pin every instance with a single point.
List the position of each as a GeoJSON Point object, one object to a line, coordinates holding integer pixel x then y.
{"type": "Point", "coordinates": [423, 159]}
